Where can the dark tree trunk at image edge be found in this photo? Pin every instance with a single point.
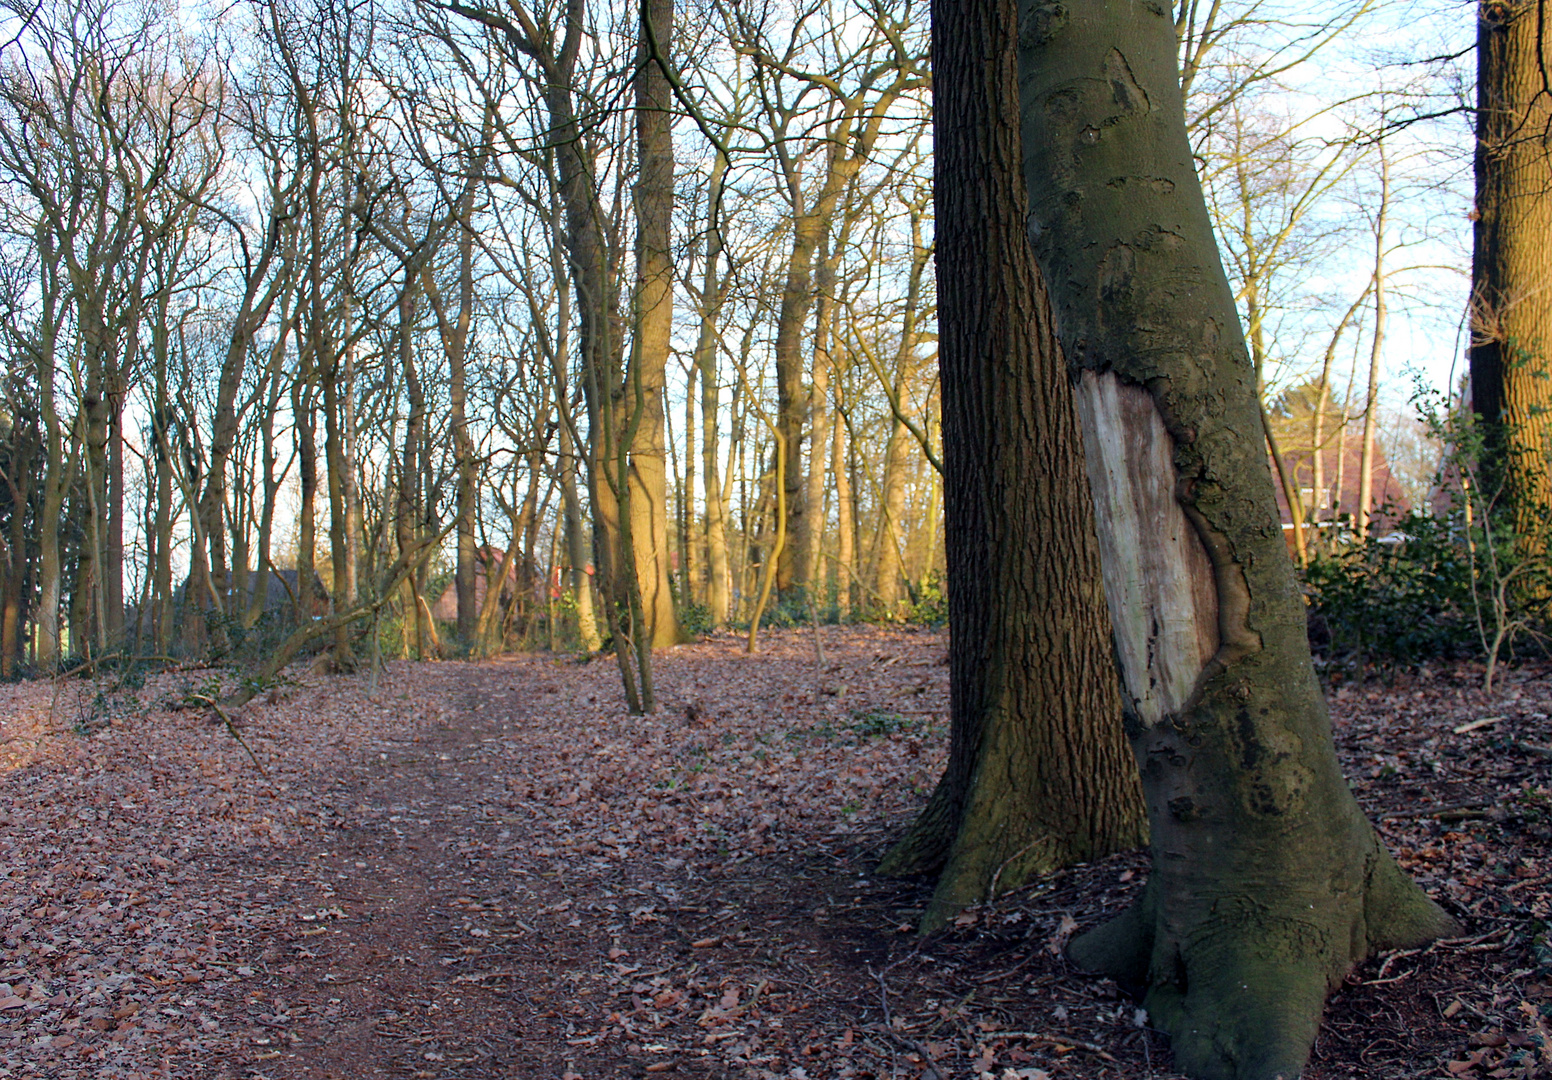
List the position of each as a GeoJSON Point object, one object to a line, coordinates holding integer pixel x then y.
{"type": "Point", "coordinates": [1039, 774]}
{"type": "Point", "coordinates": [1511, 264]}
{"type": "Point", "coordinates": [1268, 884]}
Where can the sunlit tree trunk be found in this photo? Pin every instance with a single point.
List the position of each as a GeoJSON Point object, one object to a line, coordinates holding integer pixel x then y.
{"type": "Point", "coordinates": [654, 303]}
{"type": "Point", "coordinates": [304, 430]}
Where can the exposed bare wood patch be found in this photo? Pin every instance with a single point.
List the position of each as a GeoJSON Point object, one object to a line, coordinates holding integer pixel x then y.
{"type": "Point", "coordinates": [1158, 578]}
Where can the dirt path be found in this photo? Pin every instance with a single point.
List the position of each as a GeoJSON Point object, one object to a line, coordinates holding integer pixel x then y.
{"type": "Point", "coordinates": [491, 871]}
{"type": "Point", "coordinates": [543, 887]}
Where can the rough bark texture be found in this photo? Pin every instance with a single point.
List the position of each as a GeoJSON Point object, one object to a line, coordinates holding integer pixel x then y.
{"type": "Point", "coordinates": [1268, 884]}
{"type": "Point", "coordinates": [1511, 309]}
{"type": "Point", "coordinates": [1039, 774]}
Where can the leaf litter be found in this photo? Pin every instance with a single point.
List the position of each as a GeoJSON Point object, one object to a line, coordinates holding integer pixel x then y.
{"type": "Point", "coordinates": [491, 870]}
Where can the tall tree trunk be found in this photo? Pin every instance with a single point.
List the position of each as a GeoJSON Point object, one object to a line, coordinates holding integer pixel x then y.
{"type": "Point", "coordinates": [1511, 268]}
{"type": "Point", "coordinates": [654, 304]}
{"type": "Point", "coordinates": [1268, 884]}
{"type": "Point", "coordinates": [87, 626]}
{"type": "Point", "coordinates": [59, 468]}
{"type": "Point", "coordinates": [113, 541]}
{"type": "Point", "coordinates": [845, 523]}
{"type": "Point", "coordinates": [888, 564]}
{"type": "Point", "coordinates": [336, 463]}
{"type": "Point", "coordinates": [463, 445]}
{"type": "Point", "coordinates": [406, 513]}
{"type": "Point", "coordinates": [1376, 350]}
{"type": "Point", "coordinates": [161, 541]}
{"type": "Point", "coordinates": [1039, 775]}
{"type": "Point", "coordinates": [18, 480]}
{"type": "Point", "coordinates": [263, 564]}
{"type": "Point", "coordinates": [305, 431]}
{"type": "Point", "coordinates": [713, 290]}
{"type": "Point", "coordinates": [791, 399]}
{"type": "Point", "coordinates": [689, 544]}
{"type": "Point", "coordinates": [813, 531]}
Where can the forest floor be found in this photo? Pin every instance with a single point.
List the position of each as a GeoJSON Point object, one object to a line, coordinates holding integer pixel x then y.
{"type": "Point", "coordinates": [490, 870]}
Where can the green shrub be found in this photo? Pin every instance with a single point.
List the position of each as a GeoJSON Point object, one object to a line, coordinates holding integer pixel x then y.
{"type": "Point", "coordinates": [695, 620]}
{"type": "Point", "coordinates": [930, 604]}
{"type": "Point", "coordinates": [1396, 599]}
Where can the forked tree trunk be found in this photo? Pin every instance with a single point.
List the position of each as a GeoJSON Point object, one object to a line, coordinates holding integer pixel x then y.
{"type": "Point", "coordinates": [1039, 775]}
{"type": "Point", "coordinates": [1511, 265]}
{"type": "Point", "coordinates": [1268, 884]}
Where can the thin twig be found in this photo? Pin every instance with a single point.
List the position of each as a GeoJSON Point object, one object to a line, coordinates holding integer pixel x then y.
{"type": "Point", "coordinates": [991, 891]}
{"type": "Point", "coordinates": [1052, 1040]}
{"type": "Point", "coordinates": [1430, 811]}
{"type": "Point", "coordinates": [232, 730]}
{"type": "Point", "coordinates": [917, 1048]}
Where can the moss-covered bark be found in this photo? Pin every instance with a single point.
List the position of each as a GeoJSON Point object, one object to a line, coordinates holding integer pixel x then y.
{"type": "Point", "coordinates": [1268, 884]}
{"type": "Point", "coordinates": [1039, 775]}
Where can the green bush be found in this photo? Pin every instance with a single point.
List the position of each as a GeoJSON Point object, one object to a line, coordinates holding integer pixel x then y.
{"type": "Point", "coordinates": [695, 620]}
{"type": "Point", "coordinates": [1396, 599]}
{"type": "Point", "coordinates": [929, 607]}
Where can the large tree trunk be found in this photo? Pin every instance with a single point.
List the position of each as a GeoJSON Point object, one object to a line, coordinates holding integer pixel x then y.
{"type": "Point", "coordinates": [18, 480]}
{"type": "Point", "coordinates": [1268, 884]}
{"type": "Point", "coordinates": [654, 329]}
{"type": "Point", "coordinates": [1039, 774]}
{"type": "Point", "coordinates": [797, 296]}
{"type": "Point", "coordinates": [1511, 304]}
{"type": "Point", "coordinates": [59, 468]}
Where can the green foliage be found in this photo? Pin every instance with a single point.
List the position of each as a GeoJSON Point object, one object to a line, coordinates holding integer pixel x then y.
{"type": "Point", "coordinates": [865, 724]}
{"type": "Point", "coordinates": [929, 606]}
{"type": "Point", "coordinates": [1397, 599]}
{"type": "Point", "coordinates": [695, 619]}
{"type": "Point", "coordinates": [1453, 582]}
{"type": "Point", "coordinates": [258, 684]}
{"type": "Point", "coordinates": [873, 723]}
